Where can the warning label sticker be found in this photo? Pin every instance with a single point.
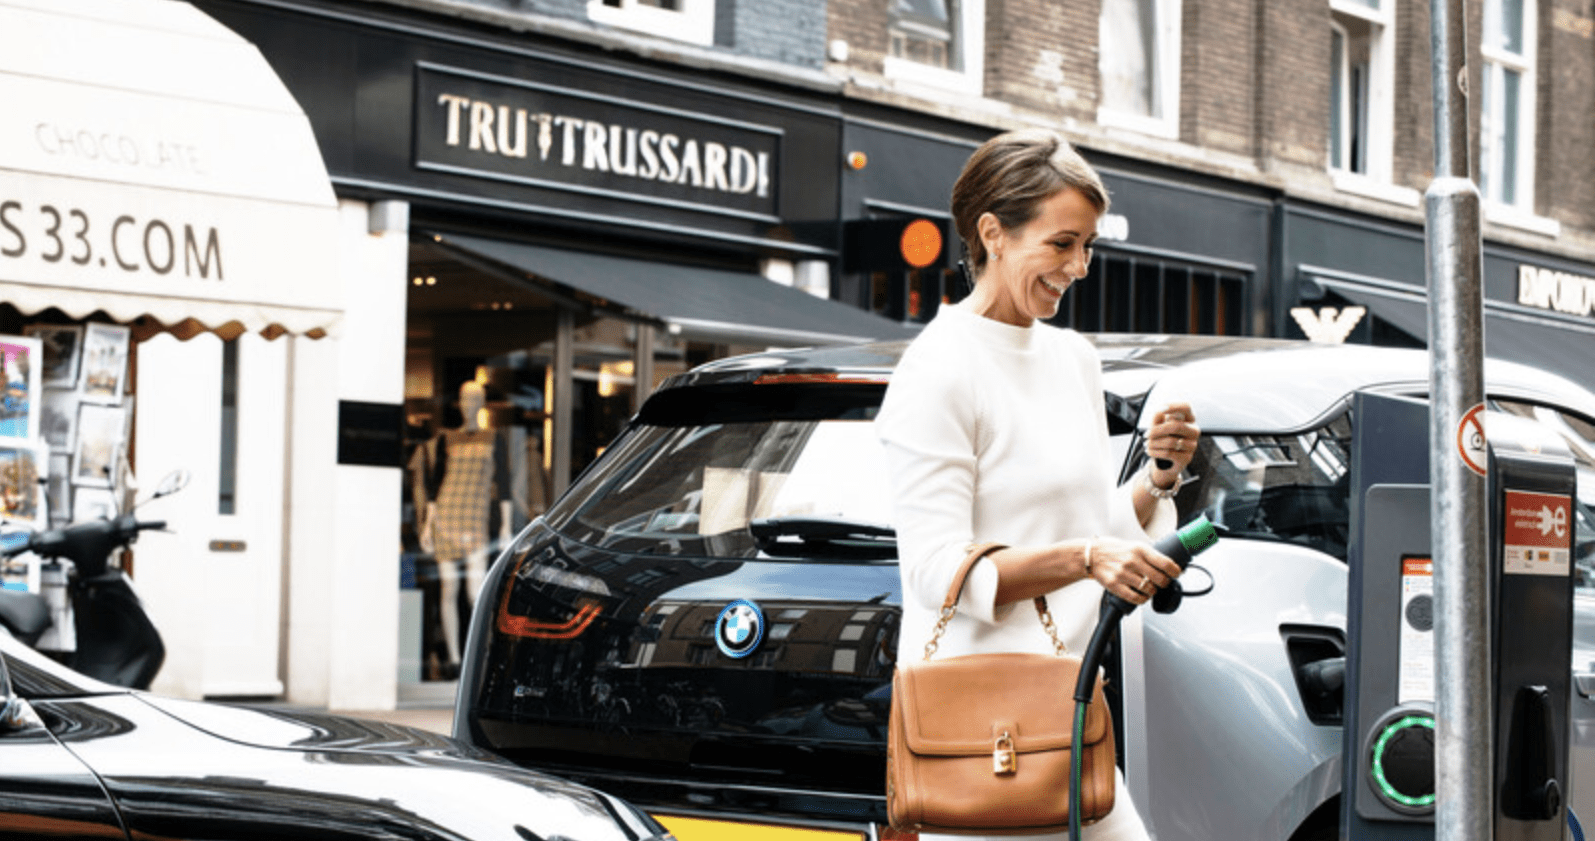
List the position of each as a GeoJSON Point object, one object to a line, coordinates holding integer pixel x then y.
{"type": "Point", "coordinates": [1537, 534]}
{"type": "Point", "coordinates": [1415, 675]}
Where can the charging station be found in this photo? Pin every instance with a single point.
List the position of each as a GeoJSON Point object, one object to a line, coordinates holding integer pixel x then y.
{"type": "Point", "coordinates": [1388, 785]}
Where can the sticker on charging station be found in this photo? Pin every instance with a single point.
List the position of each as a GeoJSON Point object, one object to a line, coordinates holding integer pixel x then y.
{"type": "Point", "coordinates": [1537, 534]}
{"type": "Point", "coordinates": [1415, 681]}
{"type": "Point", "coordinates": [1470, 440]}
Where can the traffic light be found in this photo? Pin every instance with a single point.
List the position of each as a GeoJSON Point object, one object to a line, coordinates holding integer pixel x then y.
{"type": "Point", "coordinates": [895, 244]}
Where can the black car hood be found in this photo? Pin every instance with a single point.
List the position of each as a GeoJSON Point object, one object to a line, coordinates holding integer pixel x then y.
{"type": "Point", "coordinates": [287, 728]}
{"type": "Point", "coordinates": [183, 769]}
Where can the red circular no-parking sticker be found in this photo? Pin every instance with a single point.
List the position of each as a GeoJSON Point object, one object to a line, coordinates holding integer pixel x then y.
{"type": "Point", "coordinates": [1470, 439]}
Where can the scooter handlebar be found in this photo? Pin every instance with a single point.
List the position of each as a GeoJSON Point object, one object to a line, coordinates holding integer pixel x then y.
{"type": "Point", "coordinates": [87, 544]}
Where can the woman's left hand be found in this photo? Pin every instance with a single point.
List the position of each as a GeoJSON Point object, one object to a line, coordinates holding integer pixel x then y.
{"type": "Point", "coordinates": [1173, 437]}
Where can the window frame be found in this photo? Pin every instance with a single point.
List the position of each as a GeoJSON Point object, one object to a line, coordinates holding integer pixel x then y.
{"type": "Point", "coordinates": [1378, 119]}
{"type": "Point", "coordinates": [1496, 61]}
{"type": "Point", "coordinates": [692, 24]}
{"type": "Point", "coordinates": [969, 41]}
{"type": "Point", "coordinates": [1166, 82]}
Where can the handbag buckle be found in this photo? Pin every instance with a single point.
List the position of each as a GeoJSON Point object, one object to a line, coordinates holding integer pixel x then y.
{"type": "Point", "coordinates": [1003, 759]}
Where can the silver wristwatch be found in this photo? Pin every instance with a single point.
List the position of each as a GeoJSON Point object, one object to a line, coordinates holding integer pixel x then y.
{"type": "Point", "coordinates": [1163, 493]}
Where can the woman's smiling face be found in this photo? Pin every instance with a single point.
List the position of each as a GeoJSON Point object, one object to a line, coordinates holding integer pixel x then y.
{"type": "Point", "coordinates": [1032, 266]}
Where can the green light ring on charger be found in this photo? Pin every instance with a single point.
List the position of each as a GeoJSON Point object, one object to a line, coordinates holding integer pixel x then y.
{"type": "Point", "coordinates": [1385, 787]}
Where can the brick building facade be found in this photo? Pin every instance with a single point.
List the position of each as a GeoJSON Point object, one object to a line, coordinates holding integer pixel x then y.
{"type": "Point", "coordinates": [1264, 156]}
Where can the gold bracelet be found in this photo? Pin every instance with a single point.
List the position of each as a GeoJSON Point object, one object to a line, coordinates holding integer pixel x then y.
{"type": "Point", "coordinates": [1088, 545]}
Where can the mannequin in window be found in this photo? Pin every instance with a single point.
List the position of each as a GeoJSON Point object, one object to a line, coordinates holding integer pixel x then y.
{"type": "Point", "coordinates": [464, 496]}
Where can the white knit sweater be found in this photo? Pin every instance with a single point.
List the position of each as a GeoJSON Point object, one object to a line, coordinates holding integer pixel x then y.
{"type": "Point", "coordinates": [998, 433]}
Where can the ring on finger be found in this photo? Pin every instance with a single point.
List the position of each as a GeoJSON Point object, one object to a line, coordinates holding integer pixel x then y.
{"type": "Point", "coordinates": [1142, 586]}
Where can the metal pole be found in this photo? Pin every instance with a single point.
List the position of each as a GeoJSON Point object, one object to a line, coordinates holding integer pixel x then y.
{"type": "Point", "coordinates": [1464, 721]}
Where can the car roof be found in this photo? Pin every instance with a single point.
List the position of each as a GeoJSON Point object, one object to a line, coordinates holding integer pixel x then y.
{"type": "Point", "coordinates": [1232, 383]}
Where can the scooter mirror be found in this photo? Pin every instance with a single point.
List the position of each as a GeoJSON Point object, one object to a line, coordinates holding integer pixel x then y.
{"type": "Point", "coordinates": [172, 483]}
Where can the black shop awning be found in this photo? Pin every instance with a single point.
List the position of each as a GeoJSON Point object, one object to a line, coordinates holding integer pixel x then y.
{"type": "Point", "coordinates": [697, 303]}
{"type": "Point", "coordinates": [1511, 332]}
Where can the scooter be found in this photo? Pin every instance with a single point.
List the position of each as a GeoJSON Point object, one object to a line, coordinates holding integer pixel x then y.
{"type": "Point", "coordinates": [115, 641]}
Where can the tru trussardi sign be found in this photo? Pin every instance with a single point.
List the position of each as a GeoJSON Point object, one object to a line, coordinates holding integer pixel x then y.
{"type": "Point", "coordinates": [542, 136]}
{"type": "Point", "coordinates": [1557, 291]}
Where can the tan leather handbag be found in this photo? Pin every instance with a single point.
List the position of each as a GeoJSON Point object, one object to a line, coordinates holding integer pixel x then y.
{"type": "Point", "coordinates": [980, 744]}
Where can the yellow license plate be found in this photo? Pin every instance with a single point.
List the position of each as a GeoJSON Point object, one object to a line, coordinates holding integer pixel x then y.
{"type": "Point", "coordinates": [702, 829]}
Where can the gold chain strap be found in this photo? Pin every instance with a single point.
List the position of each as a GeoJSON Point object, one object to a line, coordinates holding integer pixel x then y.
{"type": "Point", "coordinates": [946, 616]}
{"type": "Point", "coordinates": [941, 627]}
{"type": "Point", "coordinates": [1058, 647]}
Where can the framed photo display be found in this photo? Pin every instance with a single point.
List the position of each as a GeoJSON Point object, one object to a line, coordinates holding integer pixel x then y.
{"type": "Point", "coordinates": [19, 404]}
{"type": "Point", "coordinates": [21, 494]}
{"type": "Point", "coordinates": [93, 504]}
{"type": "Point", "coordinates": [97, 455]}
{"type": "Point", "coordinates": [61, 346]}
{"type": "Point", "coordinates": [58, 418]}
{"type": "Point", "coordinates": [58, 490]}
{"type": "Point", "coordinates": [104, 363]}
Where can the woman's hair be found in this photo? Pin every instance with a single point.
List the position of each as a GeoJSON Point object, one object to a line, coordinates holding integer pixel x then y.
{"type": "Point", "coordinates": [1009, 176]}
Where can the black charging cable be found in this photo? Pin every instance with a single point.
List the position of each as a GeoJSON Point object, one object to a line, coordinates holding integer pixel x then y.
{"type": "Point", "coordinates": [1181, 546]}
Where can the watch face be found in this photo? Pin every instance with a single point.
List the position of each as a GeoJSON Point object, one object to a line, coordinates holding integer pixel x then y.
{"type": "Point", "coordinates": [1164, 493]}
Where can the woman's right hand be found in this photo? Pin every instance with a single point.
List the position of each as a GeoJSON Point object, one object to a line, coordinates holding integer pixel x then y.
{"type": "Point", "coordinates": [1130, 570]}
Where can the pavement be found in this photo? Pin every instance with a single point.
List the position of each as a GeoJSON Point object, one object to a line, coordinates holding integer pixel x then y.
{"type": "Point", "coordinates": [429, 706]}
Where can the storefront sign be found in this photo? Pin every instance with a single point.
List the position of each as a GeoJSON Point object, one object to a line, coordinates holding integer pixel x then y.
{"type": "Point", "coordinates": [139, 188]}
{"type": "Point", "coordinates": [539, 135]}
{"type": "Point", "coordinates": [1558, 291]}
{"type": "Point", "coordinates": [370, 434]}
{"type": "Point", "coordinates": [1327, 324]}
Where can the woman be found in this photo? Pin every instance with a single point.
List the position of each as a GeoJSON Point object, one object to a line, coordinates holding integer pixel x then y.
{"type": "Point", "coordinates": [995, 430]}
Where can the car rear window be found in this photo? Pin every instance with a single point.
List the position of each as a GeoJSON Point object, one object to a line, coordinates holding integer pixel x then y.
{"type": "Point", "coordinates": [699, 464]}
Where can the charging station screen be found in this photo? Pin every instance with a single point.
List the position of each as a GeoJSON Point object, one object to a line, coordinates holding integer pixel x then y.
{"type": "Point", "coordinates": [1415, 680]}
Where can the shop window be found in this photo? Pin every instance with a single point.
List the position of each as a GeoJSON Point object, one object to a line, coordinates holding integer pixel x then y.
{"type": "Point", "coordinates": [1140, 75]}
{"type": "Point", "coordinates": [1130, 293]}
{"type": "Point", "coordinates": [1506, 137]}
{"type": "Point", "coordinates": [913, 296]}
{"type": "Point", "coordinates": [938, 43]}
{"type": "Point", "coordinates": [691, 21]}
{"type": "Point", "coordinates": [1361, 89]}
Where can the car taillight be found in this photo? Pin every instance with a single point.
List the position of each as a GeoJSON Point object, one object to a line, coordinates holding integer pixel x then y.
{"type": "Point", "coordinates": [521, 626]}
{"type": "Point", "coordinates": [826, 377]}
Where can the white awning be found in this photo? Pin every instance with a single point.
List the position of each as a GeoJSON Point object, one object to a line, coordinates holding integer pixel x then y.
{"type": "Point", "coordinates": [153, 166]}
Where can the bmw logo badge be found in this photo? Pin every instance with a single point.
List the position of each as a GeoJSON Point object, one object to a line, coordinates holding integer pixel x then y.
{"type": "Point", "coordinates": [739, 629]}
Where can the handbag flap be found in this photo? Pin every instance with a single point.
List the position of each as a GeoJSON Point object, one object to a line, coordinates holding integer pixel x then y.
{"type": "Point", "coordinates": [960, 705]}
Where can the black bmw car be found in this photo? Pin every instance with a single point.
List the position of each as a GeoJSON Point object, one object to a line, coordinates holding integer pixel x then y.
{"type": "Point", "coordinates": [82, 759]}
{"type": "Point", "coordinates": [706, 622]}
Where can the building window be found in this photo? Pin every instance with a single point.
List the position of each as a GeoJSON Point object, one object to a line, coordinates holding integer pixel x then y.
{"type": "Point", "coordinates": [691, 21]}
{"type": "Point", "coordinates": [1506, 137]}
{"type": "Point", "coordinates": [924, 31]}
{"type": "Point", "coordinates": [1141, 73]}
{"type": "Point", "coordinates": [936, 43]}
{"type": "Point", "coordinates": [1361, 88]}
